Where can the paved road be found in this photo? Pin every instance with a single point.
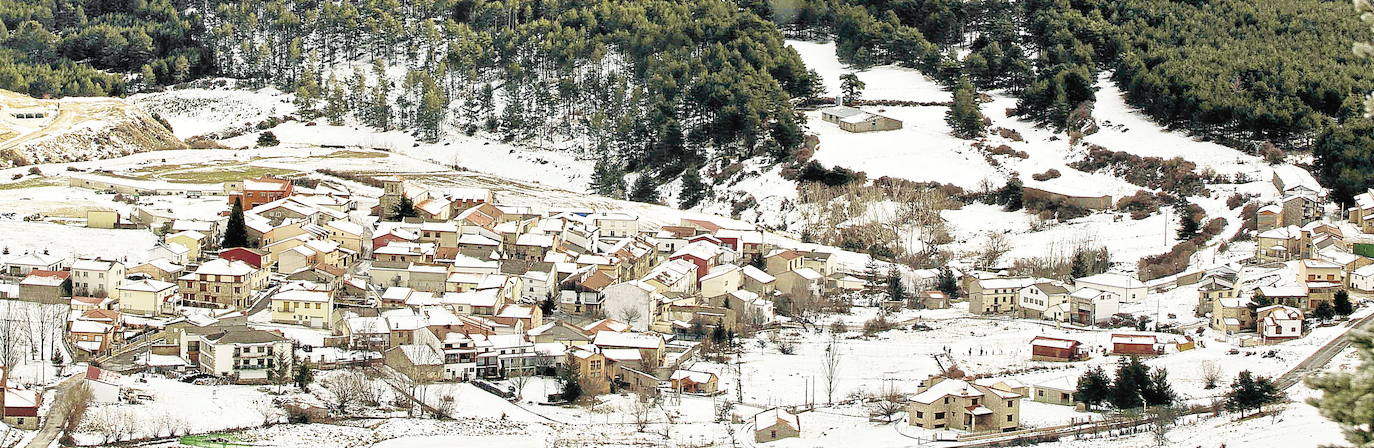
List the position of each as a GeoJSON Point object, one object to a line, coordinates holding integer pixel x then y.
{"type": "Point", "coordinates": [56, 418]}
{"type": "Point", "coordinates": [1323, 355]}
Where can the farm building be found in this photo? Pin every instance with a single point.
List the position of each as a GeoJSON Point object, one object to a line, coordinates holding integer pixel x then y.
{"type": "Point", "coordinates": [1056, 349]}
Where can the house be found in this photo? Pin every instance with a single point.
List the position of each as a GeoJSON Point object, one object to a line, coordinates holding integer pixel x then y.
{"type": "Point", "coordinates": [302, 307]}
{"type": "Point", "coordinates": [1297, 296]}
{"type": "Point", "coordinates": [1363, 278]}
{"type": "Point", "coordinates": [932, 300]}
{"type": "Point", "coordinates": [21, 265]}
{"type": "Point", "coordinates": [1136, 345]}
{"type": "Point", "coordinates": [50, 287]}
{"type": "Point", "coordinates": [221, 283]}
{"type": "Point", "coordinates": [996, 295]}
{"type": "Point", "coordinates": [581, 293]}
{"type": "Point", "coordinates": [693, 382]}
{"type": "Point", "coordinates": [649, 346]}
{"type": "Point", "coordinates": [244, 355]}
{"type": "Point", "coordinates": [1282, 244]}
{"type": "Point", "coordinates": [703, 254]}
{"type": "Point", "coordinates": [1279, 323]}
{"type": "Point", "coordinates": [558, 331]}
{"type": "Point", "coordinates": [775, 424]}
{"type": "Point", "coordinates": [146, 296]}
{"type": "Point", "coordinates": [593, 368]}
{"type": "Point", "coordinates": [1126, 288]}
{"type": "Point", "coordinates": [1232, 316]}
{"type": "Point", "coordinates": [1269, 217]}
{"type": "Point", "coordinates": [172, 252]}
{"type": "Point", "coordinates": [1059, 391]}
{"type": "Point", "coordinates": [782, 260]}
{"type": "Point", "coordinates": [721, 280]}
{"type": "Point", "coordinates": [1088, 306]}
{"type": "Point", "coordinates": [1045, 348]}
{"type": "Point", "coordinates": [1036, 298]}
{"type": "Point", "coordinates": [260, 191]}
{"type": "Point", "coordinates": [634, 303]}
{"type": "Point", "coordinates": [420, 362]}
{"type": "Point", "coordinates": [96, 277]}
{"type": "Point", "coordinates": [673, 276]}
{"type": "Point", "coordinates": [21, 408]}
{"type": "Point", "coordinates": [616, 225]}
{"type": "Point", "coordinates": [160, 269]}
{"type": "Point", "coordinates": [102, 219]}
{"type": "Point", "coordinates": [1211, 289]}
{"type": "Point", "coordinates": [257, 258]}
{"type": "Point", "coordinates": [800, 281]}
{"type": "Point", "coordinates": [93, 332]}
{"type": "Point", "coordinates": [853, 119]}
{"type": "Point", "coordinates": [962, 404]}
{"type": "Point", "coordinates": [192, 240]}
{"type": "Point", "coordinates": [758, 281]}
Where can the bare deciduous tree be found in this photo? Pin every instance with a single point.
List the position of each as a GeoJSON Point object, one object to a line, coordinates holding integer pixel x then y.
{"type": "Point", "coordinates": [348, 388]}
{"type": "Point", "coordinates": [830, 368]}
{"type": "Point", "coordinates": [888, 402]}
{"type": "Point", "coordinates": [994, 247]}
{"type": "Point", "coordinates": [1211, 374]}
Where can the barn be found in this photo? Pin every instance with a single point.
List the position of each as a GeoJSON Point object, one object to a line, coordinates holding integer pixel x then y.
{"type": "Point", "coordinates": [1135, 344]}
{"type": "Point", "coordinates": [1056, 349]}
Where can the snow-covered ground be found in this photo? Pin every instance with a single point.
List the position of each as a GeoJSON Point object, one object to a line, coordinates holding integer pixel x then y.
{"type": "Point", "coordinates": [884, 82]}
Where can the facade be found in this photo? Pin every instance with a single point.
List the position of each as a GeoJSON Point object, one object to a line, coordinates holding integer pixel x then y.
{"type": "Point", "coordinates": [221, 283]}
{"type": "Point", "coordinates": [1138, 345]}
{"type": "Point", "coordinates": [1279, 323]}
{"type": "Point", "coordinates": [260, 191]}
{"type": "Point", "coordinates": [854, 120]}
{"type": "Point", "coordinates": [50, 287]}
{"type": "Point", "coordinates": [775, 424]}
{"type": "Point", "coordinates": [303, 307]}
{"type": "Point", "coordinates": [146, 296]}
{"type": "Point", "coordinates": [96, 277]}
{"type": "Point", "coordinates": [1127, 289]}
{"type": "Point", "coordinates": [996, 295]}
{"type": "Point", "coordinates": [1056, 349]}
{"type": "Point", "coordinates": [945, 403]}
{"type": "Point", "coordinates": [1035, 299]}
{"type": "Point", "coordinates": [242, 354]}
{"type": "Point", "coordinates": [1057, 391]}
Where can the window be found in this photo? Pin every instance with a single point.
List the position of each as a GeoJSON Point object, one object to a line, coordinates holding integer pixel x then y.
{"type": "Point", "coordinates": [920, 414]}
{"type": "Point", "coordinates": [939, 415]}
{"type": "Point", "coordinates": [1008, 417]}
{"type": "Point", "coordinates": [1011, 403]}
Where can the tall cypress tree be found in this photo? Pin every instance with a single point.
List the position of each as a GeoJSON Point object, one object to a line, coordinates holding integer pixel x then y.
{"type": "Point", "coordinates": [235, 233]}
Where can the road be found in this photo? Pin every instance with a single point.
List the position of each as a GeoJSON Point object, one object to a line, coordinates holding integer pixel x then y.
{"type": "Point", "coordinates": [1322, 356]}
{"type": "Point", "coordinates": [56, 418]}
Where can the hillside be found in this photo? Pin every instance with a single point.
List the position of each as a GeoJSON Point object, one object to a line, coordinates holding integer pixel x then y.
{"type": "Point", "coordinates": [34, 131]}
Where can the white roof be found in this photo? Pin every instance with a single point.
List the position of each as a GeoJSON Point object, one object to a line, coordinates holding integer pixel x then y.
{"type": "Point", "coordinates": [1365, 271]}
{"type": "Point", "coordinates": [1132, 339]}
{"type": "Point", "coordinates": [89, 326]}
{"type": "Point", "coordinates": [1112, 280]}
{"type": "Point", "coordinates": [39, 260]}
{"type": "Point", "coordinates": [758, 275]}
{"type": "Point", "coordinates": [704, 250]}
{"type": "Point", "coordinates": [192, 234]}
{"type": "Point", "coordinates": [1006, 283]}
{"type": "Point", "coordinates": [696, 377]}
{"type": "Point", "coordinates": [346, 226]}
{"type": "Point", "coordinates": [477, 240]}
{"type": "Point", "coordinates": [634, 340]}
{"type": "Point", "coordinates": [301, 295]}
{"type": "Point", "coordinates": [146, 285]}
{"type": "Point", "coordinates": [808, 273]}
{"type": "Point", "coordinates": [669, 272]}
{"type": "Point", "coordinates": [220, 266]}
{"type": "Point", "coordinates": [719, 271]}
{"type": "Point", "coordinates": [367, 325]}
{"type": "Point", "coordinates": [1053, 342]}
{"type": "Point", "coordinates": [92, 265]}
{"type": "Point", "coordinates": [422, 355]}
{"type": "Point", "coordinates": [775, 416]}
{"type": "Point", "coordinates": [1319, 264]}
{"type": "Point", "coordinates": [1062, 383]}
{"type": "Point", "coordinates": [1284, 291]}
{"type": "Point", "coordinates": [534, 239]}
{"type": "Point", "coordinates": [953, 387]}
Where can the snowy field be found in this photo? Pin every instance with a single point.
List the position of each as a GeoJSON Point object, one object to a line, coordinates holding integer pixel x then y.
{"type": "Point", "coordinates": [884, 82]}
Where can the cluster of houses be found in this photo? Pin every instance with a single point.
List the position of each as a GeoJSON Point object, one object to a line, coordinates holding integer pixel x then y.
{"type": "Point", "coordinates": [1087, 301]}
{"type": "Point", "coordinates": [445, 285]}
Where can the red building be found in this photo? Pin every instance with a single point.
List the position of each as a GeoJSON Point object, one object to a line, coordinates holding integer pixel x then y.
{"type": "Point", "coordinates": [1135, 344]}
{"type": "Point", "coordinates": [261, 191]}
{"type": "Point", "coordinates": [1056, 349]}
{"type": "Point", "coordinates": [255, 257]}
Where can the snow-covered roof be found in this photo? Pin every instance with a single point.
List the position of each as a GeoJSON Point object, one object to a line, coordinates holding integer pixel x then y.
{"type": "Point", "coordinates": [1062, 383]}
{"type": "Point", "coordinates": [700, 249]}
{"type": "Point", "coordinates": [758, 275]}
{"type": "Point", "coordinates": [958, 388]}
{"type": "Point", "coordinates": [693, 376]}
{"type": "Point", "coordinates": [1133, 339]}
{"type": "Point", "coordinates": [808, 273]}
{"type": "Point", "coordinates": [347, 227]}
{"type": "Point", "coordinates": [301, 295]}
{"type": "Point", "coordinates": [86, 264]}
{"type": "Point", "coordinates": [421, 355]}
{"type": "Point", "coordinates": [1043, 341]}
{"type": "Point", "coordinates": [1284, 291]}
{"type": "Point", "coordinates": [145, 285]}
{"type": "Point", "coordinates": [1006, 283]}
{"type": "Point", "coordinates": [1312, 263]}
{"type": "Point", "coordinates": [37, 260]}
{"type": "Point", "coordinates": [634, 340]}
{"type": "Point", "coordinates": [90, 326]}
{"type": "Point", "coordinates": [670, 272]}
{"type": "Point", "coordinates": [1112, 280]}
{"type": "Point", "coordinates": [1364, 271]}
{"type": "Point", "coordinates": [719, 271]}
{"type": "Point", "coordinates": [775, 416]}
{"type": "Point", "coordinates": [477, 240]}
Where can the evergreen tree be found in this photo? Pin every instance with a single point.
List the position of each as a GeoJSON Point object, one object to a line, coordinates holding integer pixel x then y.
{"type": "Point", "coordinates": [1324, 312]}
{"type": "Point", "coordinates": [235, 233]}
{"type": "Point", "coordinates": [335, 104]}
{"type": "Point", "coordinates": [307, 92]}
{"type": "Point", "coordinates": [1158, 391]}
{"type": "Point", "coordinates": [267, 138]}
{"type": "Point", "coordinates": [896, 288]}
{"type": "Point", "coordinates": [304, 375]}
{"type": "Point", "coordinates": [1188, 225]}
{"type": "Point", "coordinates": [1079, 267]}
{"type": "Point", "coordinates": [1251, 392]}
{"type": "Point", "coordinates": [1343, 306]}
{"type": "Point", "coordinates": [947, 284]}
{"type": "Point", "coordinates": [1259, 300]}
{"type": "Point", "coordinates": [1345, 395]}
{"type": "Point", "coordinates": [851, 87]}
{"type": "Point", "coordinates": [572, 381]}
{"type": "Point", "coordinates": [608, 180]}
{"type": "Point", "coordinates": [1132, 379]}
{"type": "Point", "coordinates": [405, 208]}
{"type": "Point", "coordinates": [964, 119]}
{"type": "Point", "coordinates": [1010, 196]}
{"type": "Point", "coordinates": [644, 189]}
{"type": "Point", "coordinates": [1094, 387]}
{"type": "Point", "coordinates": [873, 274]}
{"type": "Point", "coordinates": [693, 189]}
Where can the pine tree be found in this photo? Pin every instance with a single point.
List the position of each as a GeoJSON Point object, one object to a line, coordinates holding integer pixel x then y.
{"type": "Point", "coordinates": [872, 271]}
{"type": "Point", "coordinates": [307, 91]}
{"type": "Point", "coordinates": [947, 284]}
{"type": "Point", "coordinates": [1259, 300]}
{"type": "Point", "coordinates": [1324, 311]}
{"type": "Point", "coordinates": [851, 87]}
{"type": "Point", "coordinates": [1010, 196]}
{"type": "Point", "coordinates": [608, 180]}
{"type": "Point", "coordinates": [964, 119]}
{"type": "Point", "coordinates": [1079, 268]}
{"type": "Point", "coordinates": [1187, 225]}
{"type": "Point", "coordinates": [267, 138]}
{"type": "Point", "coordinates": [644, 189]}
{"type": "Point", "coordinates": [896, 288]}
{"type": "Point", "coordinates": [335, 104]}
{"type": "Point", "coordinates": [235, 233]}
{"type": "Point", "coordinates": [304, 375]}
{"type": "Point", "coordinates": [693, 189]}
{"type": "Point", "coordinates": [1094, 387]}
{"type": "Point", "coordinates": [405, 208]}
{"type": "Point", "coordinates": [1343, 306]}
{"type": "Point", "coordinates": [1345, 395]}
{"type": "Point", "coordinates": [1158, 391]}
{"type": "Point", "coordinates": [1251, 392]}
{"type": "Point", "coordinates": [1132, 379]}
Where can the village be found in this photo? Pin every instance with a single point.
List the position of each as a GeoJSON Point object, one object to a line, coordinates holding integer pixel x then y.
{"type": "Point", "coordinates": [300, 283]}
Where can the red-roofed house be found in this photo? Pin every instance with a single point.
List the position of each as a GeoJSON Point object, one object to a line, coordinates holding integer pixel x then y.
{"type": "Point", "coordinates": [261, 191]}
{"type": "Point", "coordinates": [255, 257]}
{"type": "Point", "coordinates": [51, 287]}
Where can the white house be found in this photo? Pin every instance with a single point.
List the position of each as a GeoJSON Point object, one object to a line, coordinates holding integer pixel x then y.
{"type": "Point", "coordinates": [633, 302]}
{"type": "Point", "coordinates": [96, 277]}
{"type": "Point", "coordinates": [1126, 288]}
{"type": "Point", "coordinates": [1088, 306]}
{"type": "Point", "coordinates": [1279, 322]}
{"type": "Point", "coordinates": [1363, 278]}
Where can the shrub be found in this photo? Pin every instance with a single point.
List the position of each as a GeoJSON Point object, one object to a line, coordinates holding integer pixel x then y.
{"type": "Point", "coordinates": [1174, 175]}
{"type": "Point", "coordinates": [1236, 200]}
{"type": "Point", "coordinates": [1047, 175]}
{"type": "Point", "coordinates": [35, 171]}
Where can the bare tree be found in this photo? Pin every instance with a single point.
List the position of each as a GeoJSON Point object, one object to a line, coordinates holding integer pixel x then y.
{"type": "Point", "coordinates": [347, 387]}
{"type": "Point", "coordinates": [629, 315]}
{"type": "Point", "coordinates": [52, 324]}
{"type": "Point", "coordinates": [71, 407]}
{"type": "Point", "coordinates": [888, 403]}
{"type": "Point", "coordinates": [520, 379]}
{"type": "Point", "coordinates": [1211, 374]}
{"type": "Point", "coordinates": [1162, 418]}
{"type": "Point", "coordinates": [994, 247]}
{"type": "Point", "coordinates": [12, 336]}
{"type": "Point", "coordinates": [641, 411]}
{"type": "Point", "coordinates": [830, 368]}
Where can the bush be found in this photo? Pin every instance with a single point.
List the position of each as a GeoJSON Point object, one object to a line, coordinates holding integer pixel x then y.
{"type": "Point", "coordinates": [35, 171]}
{"type": "Point", "coordinates": [1174, 175]}
{"type": "Point", "coordinates": [1271, 154]}
{"type": "Point", "coordinates": [1236, 200]}
{"type": "Point", "coordinates": [1176, 259]}
{"type": "Point", "coordinates": [1140, 205]}
{"type": "Point", "coordinates": [1047, 175]}
{"type": "Point", "coordinates": [813, 171]}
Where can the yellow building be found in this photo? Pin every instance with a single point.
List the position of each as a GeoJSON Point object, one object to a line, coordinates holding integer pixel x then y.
{"type": "Point", "coordinates": [102, 219]}
{"type": "Point", "coordinates": [302, 307]}
{"type": "Point", "coordinates": [146, 297]}
{"type": "Point", "coordinates": [191, 240]}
